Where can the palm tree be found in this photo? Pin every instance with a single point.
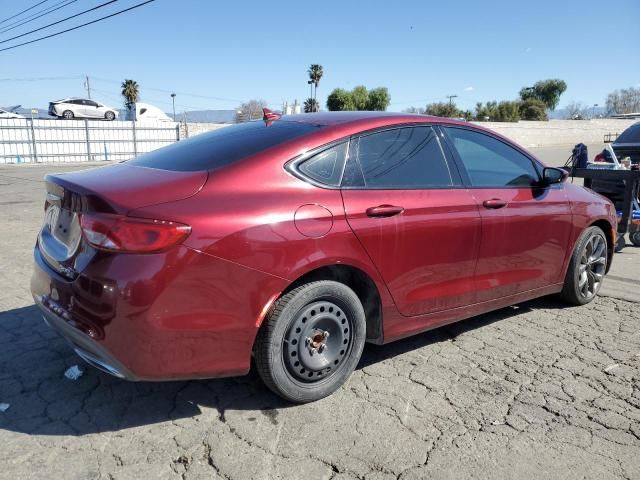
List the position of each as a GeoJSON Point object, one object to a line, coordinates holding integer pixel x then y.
{"type": "Point", "coordinates": [130, 92]}
{"type": "Point", "coordinates": [315, 74]}
{"type": "Point", "coordinates": [310, 105]}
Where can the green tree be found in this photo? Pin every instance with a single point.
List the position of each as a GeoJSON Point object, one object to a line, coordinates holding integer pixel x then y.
{"type": "Point", "coordinates": [533, 109]}
{"type": "Point", "coordinates": [504, 111]}
{"type": "Point", "coordinates": [315, 74]}
{"type": "Point", "coordinates": [340, 100]}
{"type": "Point", "coordinates": [547, 91]}
{"type": "Point", "coordinates": [379, 99]}
{"type": "Point", "coordinates": [311, 105]}
{"type": "Point", "coordinates": [360, 96]}
{"type": "Point", "coordinates": [442, 109]}
{"type": "Point", "coordinates": [130, 92]}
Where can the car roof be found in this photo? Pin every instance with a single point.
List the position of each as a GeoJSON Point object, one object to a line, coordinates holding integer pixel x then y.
{"type": "Point", "coordinates": [71, 98]}
{"type": "Point", "coordinates": [631, 135]}
{"type": "Point", "coordinates": [341, 118]}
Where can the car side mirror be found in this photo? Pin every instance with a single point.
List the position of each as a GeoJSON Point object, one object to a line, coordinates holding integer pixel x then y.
{"type": "Point", "coordinates": [552, 175]}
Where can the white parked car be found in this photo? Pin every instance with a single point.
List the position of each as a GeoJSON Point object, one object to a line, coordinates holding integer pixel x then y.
{"type": "Point", "coordinates": [70, 108]}
{"type": "Point", "coordinates": [8, 113]}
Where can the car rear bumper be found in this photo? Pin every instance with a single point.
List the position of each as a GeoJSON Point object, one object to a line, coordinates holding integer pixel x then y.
{"type": "Point", "coordinates": [85, 346]}
{"type": "Point", "coordinates": [168, 316]}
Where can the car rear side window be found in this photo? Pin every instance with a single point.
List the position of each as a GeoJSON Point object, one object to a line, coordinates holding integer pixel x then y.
{"type": "Point", "coordinates": [490, 162]}
{"type": "Point", "coordinates": [409, 157]}
{"type": "Point", "coordinates": [224, 146]}
{"type": "Point", "coordinates": [630, 135]}
{"type": "Point", "coordinates": [326, 167]}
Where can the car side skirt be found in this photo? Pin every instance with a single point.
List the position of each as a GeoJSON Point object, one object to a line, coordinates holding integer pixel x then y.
{"type": "Point", "coordinates": [397, 327]}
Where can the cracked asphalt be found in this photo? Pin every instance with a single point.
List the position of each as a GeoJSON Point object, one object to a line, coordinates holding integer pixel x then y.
{"type": "Point", "coordinates": [533, 391]}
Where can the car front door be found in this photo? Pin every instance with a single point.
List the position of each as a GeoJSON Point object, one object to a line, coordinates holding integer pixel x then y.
{"type": "Point", "coordinates": [525, 226]}
{"type": "Point", "coordinates": [91, 109]}
{"type": "Point", "coordinates": [419, 225]}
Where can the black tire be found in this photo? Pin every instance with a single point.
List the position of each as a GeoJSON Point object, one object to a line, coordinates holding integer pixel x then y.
{"type": "Point", "coordinates": [67, 115]}
{"type": "Point", "coordinates": [110, 116]}
{"type": "Point", "coordinates": [635, 238]}
{"type": "Point", "coordinates": [583, 269]}
{"type": "Point", "coordinates": [311, 341]}
{"type": "Point", "coordinates": [620, 244]}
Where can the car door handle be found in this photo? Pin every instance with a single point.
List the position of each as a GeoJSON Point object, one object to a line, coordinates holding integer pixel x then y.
{"type": "Point", "coordinates": [384, 211]}
{"type": "Point", "coordinates": [494, 203]}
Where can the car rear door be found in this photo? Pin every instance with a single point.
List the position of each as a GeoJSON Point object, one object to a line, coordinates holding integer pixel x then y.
{"type": "Point", "coordinates": [406, 204]}
{"type": "Point", "coordinates": [525, 227]}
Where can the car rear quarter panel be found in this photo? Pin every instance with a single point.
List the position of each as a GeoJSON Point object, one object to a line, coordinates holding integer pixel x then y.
{"type": "Point", "coordinates": [257, 215]}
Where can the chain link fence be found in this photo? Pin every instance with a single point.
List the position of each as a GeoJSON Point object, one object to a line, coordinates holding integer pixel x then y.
{"type": "Point", "coordinates": [37, 141]}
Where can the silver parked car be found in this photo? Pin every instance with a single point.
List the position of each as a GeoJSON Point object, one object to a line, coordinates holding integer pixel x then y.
{"type": "Point", "coordinates": [70, 108]}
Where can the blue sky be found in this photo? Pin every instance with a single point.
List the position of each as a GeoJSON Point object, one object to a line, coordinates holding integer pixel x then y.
{"type": "Point", "coordinates": [215, 54]}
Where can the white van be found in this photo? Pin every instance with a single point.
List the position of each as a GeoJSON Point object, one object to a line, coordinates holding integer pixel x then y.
{"type": "Point", "coordinates": [143, 112]}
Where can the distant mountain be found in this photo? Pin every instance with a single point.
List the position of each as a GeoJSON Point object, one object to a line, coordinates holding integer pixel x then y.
{"type": "Point", "coordinates": [42, 112]}
{"type": "Point", "coordinates": [561, 113]}
{"type": "Point", "coordinates": [207, 116]}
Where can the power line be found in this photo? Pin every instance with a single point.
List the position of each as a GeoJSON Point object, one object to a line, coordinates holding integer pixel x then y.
{"type": "Point", "coordinates": [39, 79]}
{"type": "Point", "coordinates": [35, 16]}
{"type": "Point", "coordinates": [195, 95]}
{"type": "Point", "coordinates": [23, 11]}
{"type": "Point", "coordinates": [76, 27]}
{"type": "Point", "coordinates": [60, 21]}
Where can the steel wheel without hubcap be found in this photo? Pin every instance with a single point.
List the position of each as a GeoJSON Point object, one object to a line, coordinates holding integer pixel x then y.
{"type": "Point", "coordinates": [317, 342]}
{"type": "Point", "coordinates": [593, 263]}
{"type": "Point", "coordinates": [311, 341]}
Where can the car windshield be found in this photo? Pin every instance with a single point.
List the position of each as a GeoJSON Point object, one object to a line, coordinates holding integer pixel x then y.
{"type": "Point", "coordinates": [224, 146]}
{"type": "Point", "coordinates": [630, 135]}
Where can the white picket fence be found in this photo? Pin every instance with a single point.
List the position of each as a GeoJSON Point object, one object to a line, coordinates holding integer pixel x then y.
{"type": "Point", "coordinates": [38, 141]}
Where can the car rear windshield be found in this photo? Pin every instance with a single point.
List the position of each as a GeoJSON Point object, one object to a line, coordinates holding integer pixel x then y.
{"type": "Point", "coordinates": [630, 135]}
{"type": "Point", "coordinates": [222, 147]}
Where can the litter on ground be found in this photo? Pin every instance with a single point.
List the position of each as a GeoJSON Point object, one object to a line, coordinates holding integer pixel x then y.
{"type": "Point", "coordinates": [73, 373]}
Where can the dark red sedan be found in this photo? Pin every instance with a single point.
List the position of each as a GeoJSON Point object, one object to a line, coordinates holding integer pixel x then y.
{"type": "Point", "coordinates": [295, 240]}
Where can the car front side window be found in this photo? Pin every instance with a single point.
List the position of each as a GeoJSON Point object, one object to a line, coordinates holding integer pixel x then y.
{"type": "Point", "coordinates": [490, 162]}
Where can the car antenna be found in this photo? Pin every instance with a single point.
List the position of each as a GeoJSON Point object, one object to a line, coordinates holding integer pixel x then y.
{"type": "Point", "coordinates": [269, 116]}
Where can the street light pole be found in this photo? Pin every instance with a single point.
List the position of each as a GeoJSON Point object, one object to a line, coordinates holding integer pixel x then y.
{"type": "Point", "coordinates": [593, 111]}
{"type": "Point", "coordinates": [173, 101]}
{"type": "Point", "coordinates": [451, 97]}
{"type": "Point", "coordinates": [310, 83]}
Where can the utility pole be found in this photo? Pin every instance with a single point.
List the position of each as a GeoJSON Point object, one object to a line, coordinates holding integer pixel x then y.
{"type": "Point", "coordinates": [451, 97]}
{"type": "Point", "coordinates": [88, 86]}
{"type": "Point", "coordinates": [173, 100]}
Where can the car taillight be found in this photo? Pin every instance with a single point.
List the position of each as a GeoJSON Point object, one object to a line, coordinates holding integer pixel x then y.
{"type": "Point", "coordinates": [132, 235]}
{"type": "Point", "coordinates": [600, 158]}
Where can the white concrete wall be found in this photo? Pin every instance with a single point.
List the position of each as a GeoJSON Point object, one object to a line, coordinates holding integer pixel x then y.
{"type": "Point", "coordinates": [191, 129]}
{"type": "Point", "coordinates": [558, 132]}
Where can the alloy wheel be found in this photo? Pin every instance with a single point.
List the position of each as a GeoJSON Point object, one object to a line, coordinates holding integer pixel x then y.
{"type": "Point", "coordinates": [593, 263]}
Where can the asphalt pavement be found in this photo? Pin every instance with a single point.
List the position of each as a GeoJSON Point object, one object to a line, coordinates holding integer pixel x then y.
{"type": "Point", "coordinates": [538, 390]}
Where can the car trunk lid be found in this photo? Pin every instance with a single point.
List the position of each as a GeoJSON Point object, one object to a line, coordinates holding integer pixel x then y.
{"type": "Point", "coordinates": [116, 189]}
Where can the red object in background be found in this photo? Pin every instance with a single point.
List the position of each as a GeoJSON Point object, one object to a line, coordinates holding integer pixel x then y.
{"type": "Point", "coordinates": [210, 231]}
